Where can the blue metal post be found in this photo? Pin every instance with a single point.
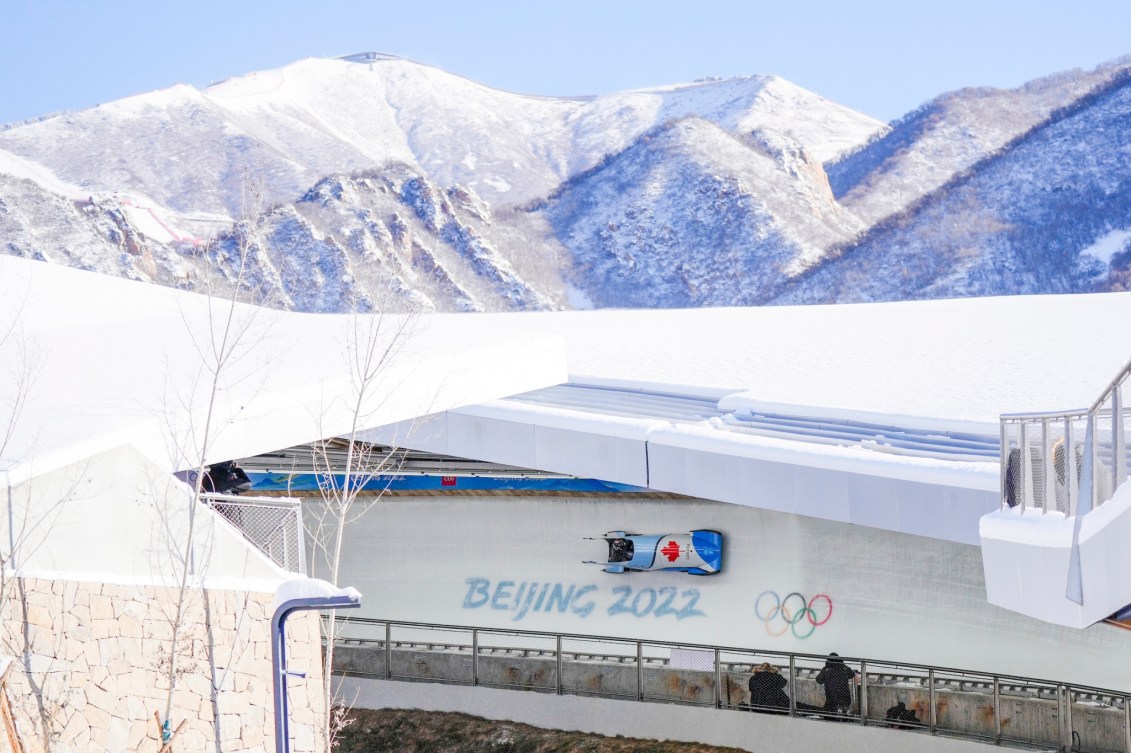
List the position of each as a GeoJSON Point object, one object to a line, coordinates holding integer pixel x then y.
{"type": "Point", "coordinates": [343, 600]}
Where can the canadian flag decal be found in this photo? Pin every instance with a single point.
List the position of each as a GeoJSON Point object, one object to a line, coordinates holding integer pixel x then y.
{"type": "Point", "coordinates": [671, 551]}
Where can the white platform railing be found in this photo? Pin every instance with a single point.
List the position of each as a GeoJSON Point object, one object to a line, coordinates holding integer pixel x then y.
{"type": "Point", "coordinates": [1049, 459]}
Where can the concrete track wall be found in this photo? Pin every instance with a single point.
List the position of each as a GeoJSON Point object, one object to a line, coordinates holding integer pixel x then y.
{"type": "Point", "coordinates": [516, 562]}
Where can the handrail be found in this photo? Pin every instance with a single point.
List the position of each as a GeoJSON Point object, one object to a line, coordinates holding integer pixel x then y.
{"type": "Point", "coordinates": [1112, 386]}
{"type": "Point", "coordinates": [1005, 679]}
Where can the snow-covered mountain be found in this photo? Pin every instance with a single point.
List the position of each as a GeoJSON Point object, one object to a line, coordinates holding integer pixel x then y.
{"type": "Point", "coordinates": [373, 181]}
{"type": "Point", "coordinates": [1050, 212]}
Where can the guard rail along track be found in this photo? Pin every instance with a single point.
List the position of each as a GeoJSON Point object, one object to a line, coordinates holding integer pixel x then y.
{"type": "Point", "coordinates": [1001, 710]}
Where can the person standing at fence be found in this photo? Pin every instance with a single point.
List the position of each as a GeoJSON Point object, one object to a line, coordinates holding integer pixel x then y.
{"type": "Point", "coordinates": [837, 678]}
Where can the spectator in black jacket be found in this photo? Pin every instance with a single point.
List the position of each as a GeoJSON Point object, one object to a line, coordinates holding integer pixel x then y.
{"type": "Point", "coordinates": [837, 677]}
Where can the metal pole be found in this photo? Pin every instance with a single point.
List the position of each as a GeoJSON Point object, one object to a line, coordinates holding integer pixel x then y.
{"type": "Point", "coordinates": [1004, 463]}
{"type": "Point", "coordinates": [718, 681]}
{"type": "Point", "coordinates": [997, 711]}
{"type": "Point", "coordinates": [333, 598]}
{"type": "Point", "coordinates": [300, 534]}
{"type": "Point", "coordinates": [639, 671]}
{"type": "Point", "coordinates": [559, 647]}
{"type": "Point", "coordinates": [1118, 441]}
{"type": "Point", "coordinates": [1067, 718]}
{"type": "Point", "coordinates": [388, 650]}
{"type": "Point", "coordinates": [792, 685]}
{"type": "Point", "coordinates": [1026, 468]}
{"type": "Point", "coordinates": [474, 657]}
{"type": "Point", "coordinates": [1071, 485]}
{"type": "Point", "coordinates": [1127, 724]}
{"type": "Point", "coordinates": [863, 692]}
{"type": "Point", "coordinates": [1048, 479]}
{"type": "Point", "coordinates": [1093, 431]}
{"type": "Point", "coordinates": [931, 700]}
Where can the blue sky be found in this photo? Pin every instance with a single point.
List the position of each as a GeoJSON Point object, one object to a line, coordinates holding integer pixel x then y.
{"type": "Point", "coordinates": [882, 57]}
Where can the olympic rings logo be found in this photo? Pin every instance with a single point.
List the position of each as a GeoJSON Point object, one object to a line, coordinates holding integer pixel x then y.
{"type": "Point", "coordinates": [794, 613]}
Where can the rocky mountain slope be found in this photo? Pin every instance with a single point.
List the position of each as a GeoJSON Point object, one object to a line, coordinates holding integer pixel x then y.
{"type": "Point", "coordinates": [1050, 213]}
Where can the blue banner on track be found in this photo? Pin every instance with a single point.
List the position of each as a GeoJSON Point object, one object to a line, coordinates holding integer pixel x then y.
{"type": "Point", "coordinates": [303, 482]}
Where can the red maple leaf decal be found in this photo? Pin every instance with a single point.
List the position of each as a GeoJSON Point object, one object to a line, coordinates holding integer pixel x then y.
{"type": "Point", "coordinates": [671, 551]}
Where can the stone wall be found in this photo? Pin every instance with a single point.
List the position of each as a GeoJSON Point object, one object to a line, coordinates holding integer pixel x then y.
{"type": "Point", "coordinates": [92, 665]}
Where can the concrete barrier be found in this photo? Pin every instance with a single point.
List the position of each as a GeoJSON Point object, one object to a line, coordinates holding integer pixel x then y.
{"type": "Point", "coordinates": [1027, 716]}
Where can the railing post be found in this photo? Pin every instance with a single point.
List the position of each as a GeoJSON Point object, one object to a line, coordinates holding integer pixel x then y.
{"type": "Point", "coordinates": [997, 711]}
{"type": "Point", "coordinates": [559, 649]}
{"type": "Point", "coordinates": [1127, 724]}
{"type": "Point", "coordinates": [1119, 456]}
{"type": "Point", "coordinates": [718, 681]}
{"type": "Point", "coordinates": [388, 650]}
{"type": "Point", "coordinates": [931, 720]}
{"type": "Point", "coordinates": [1048, 480]}
{"type": "Point", "coordinates": [792, 685]}
{"type": "Point", "coordinates": [639, 671]}
{"type": "Point", "coordinates": [1003, 462]}
{"type": "Point", "coordinates": [1026, 467]}
{"type": "Point", "coordinates": [300, 535]}
{"type": "Point", "coordinates": [1066, 716]}
{"type": "Point", "coordinates": [1092, 430]}
{"type": "Point", "coordinates": [474, 657]}
{"type": "Point", "coordinates": [1071, 484]}
{"type": "Point", "coordinates": [864, 692]}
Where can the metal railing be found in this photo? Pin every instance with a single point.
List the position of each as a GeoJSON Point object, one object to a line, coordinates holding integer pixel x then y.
{"type": "Point", "coordinates": [1045, 456]}
{"type": "Point", "coordinates": [272, 524]}
{"type": "Point", "coordinates": [996, 709]}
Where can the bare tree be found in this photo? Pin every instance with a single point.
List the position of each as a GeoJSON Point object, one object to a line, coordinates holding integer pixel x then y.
{"type": "Point", "coordinates": [223, 343]}
{"type": "Point", "coordinates": [346, 467]}
{"type": "Point", "coordinates": [26, 526]}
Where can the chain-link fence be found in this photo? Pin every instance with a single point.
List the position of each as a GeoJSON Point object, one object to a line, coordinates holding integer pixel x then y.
{"type": "Point", "coordinates": [1001, 710]}
{"type": "Point", "coordinates": [273, 525]}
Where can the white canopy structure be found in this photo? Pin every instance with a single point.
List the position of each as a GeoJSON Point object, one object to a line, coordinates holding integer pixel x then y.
{"type": "Point", "coordinates": [106, 384]}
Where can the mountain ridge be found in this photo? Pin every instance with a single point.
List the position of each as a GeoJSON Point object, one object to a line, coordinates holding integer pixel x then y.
{"type": "Point", "coordinates": [386, 182]}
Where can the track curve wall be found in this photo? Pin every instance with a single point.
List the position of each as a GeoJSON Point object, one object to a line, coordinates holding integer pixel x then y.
{"type": "Point", "coordinates": [517, 562]}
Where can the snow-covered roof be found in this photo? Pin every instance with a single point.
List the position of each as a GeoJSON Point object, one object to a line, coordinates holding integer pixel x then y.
{"type": "Point", "coordinates": [961, 363]}
{"type": "Point", "coordinates": [95, 362]}
{"type": "Point", "coordinates": [113, 362]}
{"type": "Point", "coordinates": [876, 414]}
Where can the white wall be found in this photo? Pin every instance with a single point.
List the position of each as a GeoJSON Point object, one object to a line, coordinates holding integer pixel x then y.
{"type": "Point", "coordinates": [473, 560]}
{"type": "Point", "coordinates": [1027, 558]}
{"type": "Point", "coordinates": [116, 516]}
